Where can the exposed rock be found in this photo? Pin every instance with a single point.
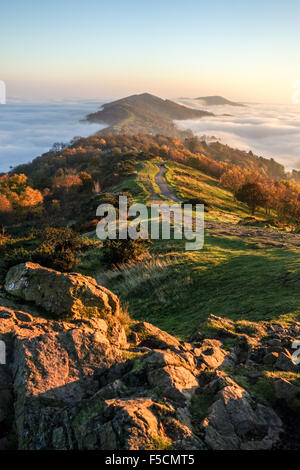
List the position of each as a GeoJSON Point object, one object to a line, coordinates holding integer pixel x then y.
{"type": "Point", "coordinates": [284, 362]}
{"type": "Point", "coordinates": [285, 390]}
{"type": "Point", "coordinates": [23, 317]}
{"type": "Point", "coordinates": [79, 384]}
{"type": "Point", "coordinates": [235, 423]}
{"type": "Point", "coordinates": [70, 295]}
{"type": "Point", "coordinates": [270, 358]}
{"type": "Point", "coordinates": [172, 373]}
{"type": "Point", "coordinates": [211, 353]}
{"type": "Point", "coordinates": [152, 337]}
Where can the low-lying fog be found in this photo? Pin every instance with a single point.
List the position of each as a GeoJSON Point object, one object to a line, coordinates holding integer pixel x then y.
{"type": "Point", "coordinates": [27, 130]}
{"type": "Point", "coordinates": [267, 130]}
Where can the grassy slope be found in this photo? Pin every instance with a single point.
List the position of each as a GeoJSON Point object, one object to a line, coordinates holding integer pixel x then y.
{"type": "Point", "coordinates": [191, 183]}
{"type": "Point", "coordinates": [177, 290]}
{"type": "Point", "coordinates": [142, 184]}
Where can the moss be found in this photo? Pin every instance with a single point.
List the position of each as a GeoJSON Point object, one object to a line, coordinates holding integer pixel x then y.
{"type": "Point", "coordinates": [88, 413]}
{"type": "Point", "coordinates": [138, 366]}
{"type": "Point", "coordinates": [161, 443]}
{"type": "Point", "coordinates": [129, 355]}
{"type": "Point", "coordinates": [82, 311]}
{"type": "Point", "coordinates": [262, 389]}
{"type": "Point", "coordinates": [199, 406]}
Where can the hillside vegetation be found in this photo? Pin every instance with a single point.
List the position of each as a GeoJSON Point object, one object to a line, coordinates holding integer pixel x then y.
{"type": "Point", "coordinates": [145, 113]}
{"type": "Point", "coordinates": [237, 274]}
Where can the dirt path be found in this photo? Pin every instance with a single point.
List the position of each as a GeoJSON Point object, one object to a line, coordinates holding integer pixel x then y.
{"type": "Point", "coordinates": [263, 236]}
{"type": "Point", "coordinates": [162, 184]}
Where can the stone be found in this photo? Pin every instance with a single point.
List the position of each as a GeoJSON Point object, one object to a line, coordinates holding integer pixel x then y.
{"type": "Point", "coordinates": [63, 295]}
{"type": "Point", "coordinates": [5, 313]}
{"type": "Point", "coordinates": [284, 390]}
{"type": "Point", "coordinates": [270, 358]}
{"type": "Point", "coordinates": [285, 363]}
{"type": "Point", "coordinates": [151, 336]}
{"type": "Point", "coordinates": [173, 374]}
{"type": "Point", "coordinates": [23, 317]}
{"type": "Point", "coordinates": [79, 384]}
{"type": "Point", "coordinates": [234, 417]}
{"type": "Point", "coordinates": [211, 353]}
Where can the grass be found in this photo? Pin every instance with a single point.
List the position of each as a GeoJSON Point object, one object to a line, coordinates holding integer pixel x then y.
{"type": "Point", "coordinates": [177, 290]}
{"type": "Point", "coordinates": [142, 183]}
{"type": "Point", "coordinates": [190, 183]}
{"type": "Point", "coordinates": [200, 405]}
{"type": "Point", "coordinates": [161, 443]}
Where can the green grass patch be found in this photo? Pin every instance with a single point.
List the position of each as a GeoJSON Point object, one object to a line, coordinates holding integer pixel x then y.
{"type": "Point", "coordinates": [189, 183]}
{"type": "Point", "coordinates": [177, 290]}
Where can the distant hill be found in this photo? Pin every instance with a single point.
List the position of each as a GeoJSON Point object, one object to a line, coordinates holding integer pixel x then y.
{"type": "Point", "coordinates": [145, 113]}
{"type": "Point", "coordinates": [218, 101]}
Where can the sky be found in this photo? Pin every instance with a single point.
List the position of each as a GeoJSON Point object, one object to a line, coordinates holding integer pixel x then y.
{"type": "Point", "coordinates": [63, 49]}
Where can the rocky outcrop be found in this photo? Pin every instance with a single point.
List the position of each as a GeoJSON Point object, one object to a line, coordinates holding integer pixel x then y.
{"type": "Point", "coordinates": [235, 421]}
{"type": "Point", "coordinates": [71, 295]}
{"type": "Point", "coordinates": [89, 384]}
{"type": "Point", "coordinates": [148, 335]}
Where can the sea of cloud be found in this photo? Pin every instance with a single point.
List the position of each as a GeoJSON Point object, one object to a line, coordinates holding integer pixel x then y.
{"type": "Point", "coordinates": [267, 130]}
{"type": "Point", "coordinates": [29, 129]}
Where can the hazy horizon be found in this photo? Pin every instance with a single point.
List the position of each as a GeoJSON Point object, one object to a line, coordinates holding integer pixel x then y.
{"type": "Point", "coordinates": [62, 49]}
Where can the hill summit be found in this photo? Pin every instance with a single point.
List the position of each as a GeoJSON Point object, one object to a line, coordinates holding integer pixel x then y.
{"type": "Point", "coordinates": [217, 101]}
{"type": "Point", "coordinates": [144, 113]}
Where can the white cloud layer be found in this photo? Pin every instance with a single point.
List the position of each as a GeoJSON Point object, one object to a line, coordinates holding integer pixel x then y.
{"type": "Point", "coordinates": [29, 129]}
{"type": "Point", "coordinates": [267, 130]}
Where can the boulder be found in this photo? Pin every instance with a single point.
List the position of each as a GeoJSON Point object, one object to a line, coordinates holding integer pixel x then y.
{"type": "Point", "coordinates": [285, 390]}
{"type": "Point", "coordinates": [234, 422]}
{"type": "Point", "coordinates": [211, 353]}
{"type": "Point", "coordinates": [285, 363]}
{"type": "Point", "coordinates": [80, 385]}
{"type": "Point", "coordinates": [63, 295]}
{"type": "Point", "coordinates": [152, 337]}
{"type": "Point", "coordinates": [173, 373]}
{"type": "Point", "coordinates": [270, 358]}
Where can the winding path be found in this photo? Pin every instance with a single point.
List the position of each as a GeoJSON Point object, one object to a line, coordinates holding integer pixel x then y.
{"type": "Point", "coordinates": [163, 185]}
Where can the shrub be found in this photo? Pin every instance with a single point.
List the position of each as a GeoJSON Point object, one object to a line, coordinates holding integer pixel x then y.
{"type": "Point", "coordinates": [53, 247]}
{"type": "Point", "coordinates": [123, 251]}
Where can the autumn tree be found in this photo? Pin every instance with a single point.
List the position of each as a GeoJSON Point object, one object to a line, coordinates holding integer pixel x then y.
{"type": "Point", "coordinates": [86, 180]}
{"type": "Point", "coordinates": [30, 198]}
{"type": "Point", "coordinates": [13, 184]}
{"type": "Point", "coordinates": [232, 179]}
{"type": "Point", "coordinates": [66, 180]}
{"type": "Point", "coordinates": [5, 205]}
{"type": "Point", "coordinates": [251, 194]}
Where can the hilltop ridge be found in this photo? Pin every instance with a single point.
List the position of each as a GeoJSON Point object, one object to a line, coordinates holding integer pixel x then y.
{"type": "Point", "coordinates": [145, 113]}
{"type": "Point", "coordinates": [218, 101]}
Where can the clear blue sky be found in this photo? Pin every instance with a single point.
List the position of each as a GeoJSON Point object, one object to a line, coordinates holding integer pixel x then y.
{"type": "Point", "coordinates": [245, 50]}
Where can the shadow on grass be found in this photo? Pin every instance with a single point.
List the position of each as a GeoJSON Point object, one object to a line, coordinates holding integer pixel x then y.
{"type": "Point", "coordinates": [227, 278]}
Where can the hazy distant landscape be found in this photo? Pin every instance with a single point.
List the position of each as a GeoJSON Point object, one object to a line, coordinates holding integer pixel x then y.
{"type": "Point", "coordinates": [30, 129]}
{"type": "Point", "coordinates": [272, 131]}
{"type": "Point", "coordinates": [266, 129]}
